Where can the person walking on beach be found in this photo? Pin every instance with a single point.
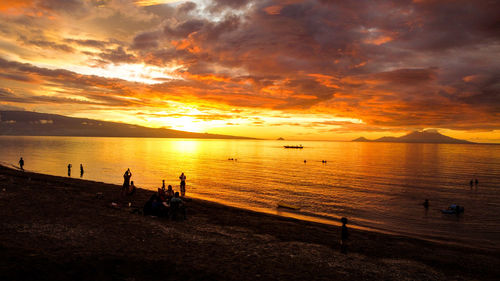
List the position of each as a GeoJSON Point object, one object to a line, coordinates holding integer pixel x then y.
{"type": "Point", "coordinates": [476, 182]}
{"type": "Point", "coordinates": [69, 170]}
{"type": "Point", "coordinates": [81, 170]}
{"type": "Point", "coordinates": [344, 236]}
{"type": "Point", "coordinates": [182, 177]}
{"type": "Point", "coordinates": [21, 164]}
{"type": "Point", "coordinates": [471, 184]}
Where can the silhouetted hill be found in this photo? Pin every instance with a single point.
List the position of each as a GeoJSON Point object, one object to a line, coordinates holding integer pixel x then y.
{"type": "Point", "coordinates": [362, 139]}
{"type": "Point", "coordinates": [26, 123]}
{"type": "Point", "coordinates": [417, 137]}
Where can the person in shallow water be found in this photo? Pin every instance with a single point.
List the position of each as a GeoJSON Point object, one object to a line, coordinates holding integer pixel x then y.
{"type": "Point", "coordinates": [182, 177]}
{"type": "Point", "coordinates": [81, 170]}
{"type": "Point", "coordinates": [21, 164]}
{"type": "Point", "coordinates": [69, 170]}
{"type": "Point", "coordinates": [344, 236]}
{"type": "Point", "coordinates": [426, 204]}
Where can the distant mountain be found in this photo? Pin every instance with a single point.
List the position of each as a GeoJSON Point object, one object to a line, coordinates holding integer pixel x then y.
{"type": "Point", "coordinates": [428, 136]}
{"type": "Point", "coordinates": [362, 139]}
{"type": "Point", "coordinates": [26, 123]}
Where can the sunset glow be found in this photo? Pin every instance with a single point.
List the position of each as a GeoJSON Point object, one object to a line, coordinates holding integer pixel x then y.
{"type": "Point", "coordinates": [320, 70]}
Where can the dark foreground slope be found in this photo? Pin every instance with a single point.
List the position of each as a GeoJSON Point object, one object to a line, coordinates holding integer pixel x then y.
{"type": "Point", "coordinates": [54, 228]}
{"type": "Point", "coordinates": [25, 123]}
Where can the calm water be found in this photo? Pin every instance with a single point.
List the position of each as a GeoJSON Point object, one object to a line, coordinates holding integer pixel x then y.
{"type": "Point", "coordinates": [378, 186]}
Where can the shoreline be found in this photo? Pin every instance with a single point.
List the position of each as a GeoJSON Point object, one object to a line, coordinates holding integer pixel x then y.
{"type": "Point", "coordinates": [56, 228]}
{"type": "Point", "coordinates": [320, 219]}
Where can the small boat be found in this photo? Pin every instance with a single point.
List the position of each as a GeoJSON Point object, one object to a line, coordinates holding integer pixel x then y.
{"type": "Point", "coordinates": [293, 146]}
{"type": "Point", "coordinates": [453, 209]}
{"type": "Point", "coordinates": [288, 206]}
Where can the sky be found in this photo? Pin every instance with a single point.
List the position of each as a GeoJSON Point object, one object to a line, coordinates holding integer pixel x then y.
{"type": "Point", "coordinates": [318, 70]}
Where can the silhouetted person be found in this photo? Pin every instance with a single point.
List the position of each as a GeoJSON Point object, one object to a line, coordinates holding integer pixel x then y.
{"type": "Point", "coordinates": [426, 204]}
{"type": "Point", "coordinates": [170, 192]}
{"type": "Point", "coordinates": [21, 164]}
{"type": "Point", "coordinates": [126, 181]}
{"type": "Point", "coordinates": [476, 182]}
{"type": "Point", "coordinates": [344, 236]}
{"type": "Point", "coordinates": [471, 183]}
{"type": "Point", "coordinates": [176, 206]}
{"type": "Point", "coordinates": [163, 185]}
{"type": "Point", "coordinates": [81, 170]}
{"type": "Point", "coordinates": [305, 161]}
{"type": "Point", "coordinates": [131, 190]}
{"type": "Point", "coordinates": [182, 177]}
{"type": "Point", "coordinates": [69, 170]}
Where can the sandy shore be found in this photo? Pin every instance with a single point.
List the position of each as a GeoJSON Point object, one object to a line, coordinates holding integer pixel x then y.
{"type": "Point", "coordinates": [54, 228]}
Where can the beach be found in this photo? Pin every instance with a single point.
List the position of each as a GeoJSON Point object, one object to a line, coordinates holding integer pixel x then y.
{"type": "Point", "coordinates": [56, 228]}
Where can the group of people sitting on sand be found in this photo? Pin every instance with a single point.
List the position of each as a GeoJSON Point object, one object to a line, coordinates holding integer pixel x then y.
{"type": "Point", "coordinates": [166, 203]}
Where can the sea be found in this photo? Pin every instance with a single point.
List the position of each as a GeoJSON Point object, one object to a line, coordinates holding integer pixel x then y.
{"type": "Point", "coordinates": [377, 186]}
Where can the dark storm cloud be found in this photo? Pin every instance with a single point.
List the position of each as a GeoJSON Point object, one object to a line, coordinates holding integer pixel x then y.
{"type": "Point", "coordinates": [44, 43]}
{"type": "Point", "coordinates": [88, 43]}
{"type": "Point", "coordinates": [146, 40]}
{"type": "Point", "coordinates": [118, 55]}
{"type": "Point", "coordinates": [68, 6]}
{"type": "Point", "coordinates": [184, 29]}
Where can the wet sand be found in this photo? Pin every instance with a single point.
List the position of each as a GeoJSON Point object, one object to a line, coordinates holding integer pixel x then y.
{"type": "Point", "coordinates": [55, 228]}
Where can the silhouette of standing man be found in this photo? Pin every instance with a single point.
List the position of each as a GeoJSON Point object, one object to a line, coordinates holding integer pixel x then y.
{"type": "Point", "coordinates": [126, 182]}
{"type": "Point", "coordinates": [182, 177]}
{"type": "Point", "coordinates": [69, 170]}
{"type": "Point", "coordinates": [81, 170]}
{"type": "Point", "coordinates": [21, 164]}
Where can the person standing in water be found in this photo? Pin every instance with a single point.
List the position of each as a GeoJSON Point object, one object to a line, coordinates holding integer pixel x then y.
{"type": "Point", "coordinates": [69, 170]}
{"type": "Point", "coordinates": [81, 170]}
{"type": "Point", "coordinates": [126, 181]}
{"type": "Point", "coordinates": [182, 177]}
{"type": "Point", "coordinates": [426, 204]}
{"type": "Point", "coordinates": [344, 236]}
{"type": "Point", "coordinates": [21, 164]}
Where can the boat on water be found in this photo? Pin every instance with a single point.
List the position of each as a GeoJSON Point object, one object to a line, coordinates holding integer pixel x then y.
{"type": "Point", "coordinates": [288, 206]}
{"type": "Point", "coordinates": [293, 146]}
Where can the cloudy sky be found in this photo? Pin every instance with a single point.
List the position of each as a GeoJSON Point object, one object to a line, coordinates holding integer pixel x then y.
{"type": "Point", "coordinates": [332, 70]}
